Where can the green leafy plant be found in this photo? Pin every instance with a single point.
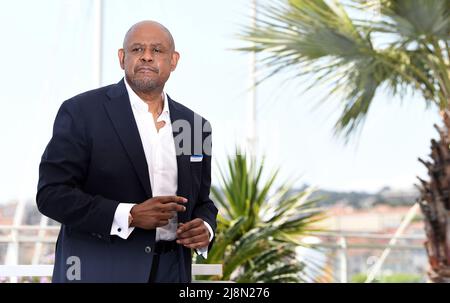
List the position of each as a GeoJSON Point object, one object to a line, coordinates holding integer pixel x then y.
{"type": "Point", "coordinates": [260, 227]}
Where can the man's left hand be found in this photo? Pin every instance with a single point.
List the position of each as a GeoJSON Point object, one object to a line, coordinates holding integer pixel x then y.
{"type": "Point", "coordinates": [193, 234]}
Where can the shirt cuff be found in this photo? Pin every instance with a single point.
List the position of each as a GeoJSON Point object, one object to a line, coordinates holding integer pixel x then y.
{"type": "Point", "coordinates": [211, 233]}
{"type": "Point", "coordinates": [204, 250]}
{"type": "Point", "coordinates": [120, 223]}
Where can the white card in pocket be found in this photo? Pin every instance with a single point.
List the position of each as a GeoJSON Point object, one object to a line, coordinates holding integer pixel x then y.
{"type": "Point", "coordinates": [196, 158]}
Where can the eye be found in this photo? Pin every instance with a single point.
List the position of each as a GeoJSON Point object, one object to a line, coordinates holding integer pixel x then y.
{"type": "Point", "coordinates": [137, 49]}
{"type": "Point", "coordinates": [157, 50]}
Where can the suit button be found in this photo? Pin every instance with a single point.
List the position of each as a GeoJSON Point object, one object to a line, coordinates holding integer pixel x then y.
{"type": "Point", "coordinates": [148, 249]}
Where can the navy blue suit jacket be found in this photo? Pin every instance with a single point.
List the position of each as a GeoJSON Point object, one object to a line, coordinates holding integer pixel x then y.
{"type": "Point", "coordinates": [94, 161]}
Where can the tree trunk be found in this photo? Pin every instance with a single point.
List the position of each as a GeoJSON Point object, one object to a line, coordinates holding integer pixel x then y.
{"type": "Point", "coordinates": [434, 202]}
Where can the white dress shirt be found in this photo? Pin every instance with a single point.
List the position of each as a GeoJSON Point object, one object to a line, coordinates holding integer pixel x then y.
{"type": "Point", "coordinates": [159, 149]}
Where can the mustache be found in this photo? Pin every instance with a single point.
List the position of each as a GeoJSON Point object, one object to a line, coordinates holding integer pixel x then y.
{"type": "Point", "coordinates": [146, 67]}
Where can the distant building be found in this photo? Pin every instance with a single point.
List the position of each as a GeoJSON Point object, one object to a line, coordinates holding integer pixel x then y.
{"type": "Point", "coordinates": [380, 218]}
{"type": "Point", "coordinates": [410, 257]}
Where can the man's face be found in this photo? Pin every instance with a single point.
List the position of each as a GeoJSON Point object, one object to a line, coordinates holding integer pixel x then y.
{"type": "Point", "coordinates": [148, 58]}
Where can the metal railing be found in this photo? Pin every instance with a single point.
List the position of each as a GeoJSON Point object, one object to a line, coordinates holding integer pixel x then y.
{"type": "Point", "coordinates": [340, 242]}
{"type": "Point", "coordinates": [10, 271]}
{"type": "Point", "coordinates": [14, 271]}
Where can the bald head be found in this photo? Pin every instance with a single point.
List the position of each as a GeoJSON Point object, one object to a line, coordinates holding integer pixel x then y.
{"type": "Point", "coordinates": [148, 26]}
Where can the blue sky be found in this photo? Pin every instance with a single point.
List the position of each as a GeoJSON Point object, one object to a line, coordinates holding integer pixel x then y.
{"type": "Point", "coordinates": [47, 58]}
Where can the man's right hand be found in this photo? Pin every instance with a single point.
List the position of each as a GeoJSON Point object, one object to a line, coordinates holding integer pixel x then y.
{"type": "Point", "coordinates": [156, 212]}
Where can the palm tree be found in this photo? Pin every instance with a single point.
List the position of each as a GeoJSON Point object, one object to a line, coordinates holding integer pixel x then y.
{"type": "Point", "coordinates": [354, 49]}
{"type": "Point", "coordinates": [259, 227]}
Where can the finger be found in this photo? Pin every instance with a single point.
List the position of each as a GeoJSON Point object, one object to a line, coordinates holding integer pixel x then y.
{"type": "Point", "coordinates": [197, 245]}
{"type": "Point", "coordinates": [169, 199]}
{"type": "Point", "coordinates": [197, 222]}
{"type": "Point", "coordinates": [191, 232]}
{"type": "Point", "coordinates": [166, 215]}
{"type": "Point", "coordinates": [173, 207]}
{"type": "Point", "coordinates": [186, 226]}
{"type": "Point", "coordinates": [193, 240]}
{"type": "Point", "coordinates": [189, 225]}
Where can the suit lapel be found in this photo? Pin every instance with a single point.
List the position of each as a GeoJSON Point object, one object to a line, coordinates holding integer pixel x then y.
{"type": "Point", "coordinates": [183, 160]}
{"type": "Point", "coordinates": [121, 115]}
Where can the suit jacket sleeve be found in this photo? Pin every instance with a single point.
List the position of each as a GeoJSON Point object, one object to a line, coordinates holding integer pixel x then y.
{"type": "Point", "coordinates": [62, 173]}
{"type": "Point", "coordinates": [205, 208]}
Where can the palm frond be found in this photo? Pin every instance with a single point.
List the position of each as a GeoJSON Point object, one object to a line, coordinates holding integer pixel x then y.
{"type": "Point", "coordinates": [417, 19]}
{"type": "Point", "coordinates": [326, 47]}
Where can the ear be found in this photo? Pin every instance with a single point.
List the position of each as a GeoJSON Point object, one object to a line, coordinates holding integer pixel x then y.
{"type": "Point", "coordinates": [121, 54]}
{"type": "Point", "coordinates": [174, 61]}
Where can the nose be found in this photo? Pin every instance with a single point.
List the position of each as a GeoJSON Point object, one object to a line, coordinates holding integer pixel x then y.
{"type": "Point", "coordinates": [147, 55]}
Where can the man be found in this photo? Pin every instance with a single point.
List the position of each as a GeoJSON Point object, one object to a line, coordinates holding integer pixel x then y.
{"type": "Point", "coordinates": [131, 197]}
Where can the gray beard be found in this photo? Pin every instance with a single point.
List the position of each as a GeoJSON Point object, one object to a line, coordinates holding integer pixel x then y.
{"type": "Point", "coordinates": [142, 85]}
